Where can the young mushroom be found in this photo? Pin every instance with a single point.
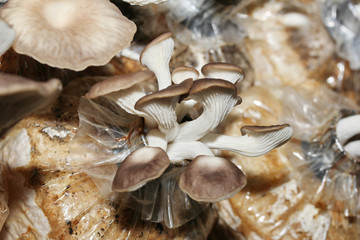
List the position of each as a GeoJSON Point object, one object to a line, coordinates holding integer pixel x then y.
{"type": "Point", "coordinates": [256, 140]}
{"type": "Point", "coordinates": [141, 166]}
{"type": "Point", "coordinates": [211, 179]}
{"type": "Point", "coordinates": [217, 97]}
{"type": "Point", "coordinates": [161, 107]}
{"type": "Point", "coordinates": [226, 71]}
{"type": "Point", "coordinates": [7, 36]}
{"type": "Point", "coordinates": [66, 33]}
{"type": "Point", "coordinates": [156, 56]}
{"type": "Point", "coordinates": [347, 132]}
{"type": "Point", "coordinates": [125, 90]}
{"type": "Point", "coordinates": [182, 73]}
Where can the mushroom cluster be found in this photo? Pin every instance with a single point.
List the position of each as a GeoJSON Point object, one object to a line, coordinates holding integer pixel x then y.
{"type": "Point", "coordinates": [180, 119]}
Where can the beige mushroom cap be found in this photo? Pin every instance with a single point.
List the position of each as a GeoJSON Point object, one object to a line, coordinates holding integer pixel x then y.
{"type": "Point", "coordinates": [116, 83]}
{"type": "Point", "coordinates": [7, 36]}
{"type": "Point", "coordinates": [141, 166]}
{"type": "Point", "coordinates": [211, 179]}
{"type": "Point", "coordinates": [67, 33]}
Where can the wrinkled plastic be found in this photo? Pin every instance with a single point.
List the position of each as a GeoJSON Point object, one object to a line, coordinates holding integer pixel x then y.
{"type": "Point", "coordinates": [331, 177]}
{"type": "Point", "coordinates": [162, 200]}
{"type": "Point", "coordinates": [342, 19]}
{"type": "Point", "coordinates": [207, 31]}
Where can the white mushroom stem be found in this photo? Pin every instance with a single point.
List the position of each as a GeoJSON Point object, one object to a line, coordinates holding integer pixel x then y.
{"type": "Point", "coordinates": [347, 128]}
{"type": "Point", "coordinates": [156, 56]}
{"type": "Point", "coordinates": [127, 98]}
{"type": "Point", "coordinates": [353, 148]}
{"type": "Point", "coordinates": [179, 151]}
{"type": "Point", "coordinates": [155, 138]}
{"type": "Point", "coordinates": [249, 145]}
{"type": "Point", "coordinates": [7, 36]}
{"type": "Point", "coordinates": [184, 107]}
{"type": "Point", "coordinates": [216, 105]}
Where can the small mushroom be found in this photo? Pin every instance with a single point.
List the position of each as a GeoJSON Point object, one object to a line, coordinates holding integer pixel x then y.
{"type": "Point", "coordinates": [180, 151]}
{"type": "Point", "coordinates": [226, 71]}
{"type": "Point", "coordinates": [217, 97]}
{"type": "Point", "coordinates": [161, 107]}
{"type": "Point", "coordinates": [182, 73]}
{"type": "Point", "coordinates": [66, 33]}
{"type": "Point", "coordinates": [256, 140]}
{"type": "Point", "coordinates": [125, 90]}
{"type": "Point", "coordinates": [211, 179]}
{"type": "Point", "coordinates": [347, 132]}
{"type": "Point", "coordinates": [156, 56]}
{"type": "Point", "coordinates": [20, 97]}
{"type": "Point", "coordinates": [7, 36]}
{"type": "Point", "coordinates": [141, 166]}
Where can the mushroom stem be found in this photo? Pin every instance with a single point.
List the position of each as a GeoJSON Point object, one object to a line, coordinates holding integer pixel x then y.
{"type": "Point", "coordinates": [156, 138]}
{"type": "Point", "coordinates": [218, 97]}
{"type": "Point", "coordinates": [179, 151]}
{"type": "Point", "coordinates": [251, 145]}
{"type": "Point", "coordinates": [156, 56]}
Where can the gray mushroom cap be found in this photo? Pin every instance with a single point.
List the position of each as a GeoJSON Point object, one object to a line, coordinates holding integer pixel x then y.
{"type": "Point", "coordinates": [141, 166]}
{"type": "Point", "coordinates": [211, 179]}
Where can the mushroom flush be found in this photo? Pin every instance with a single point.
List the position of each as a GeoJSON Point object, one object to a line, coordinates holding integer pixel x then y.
{"type": "Point", "coordinates": [165, 166]}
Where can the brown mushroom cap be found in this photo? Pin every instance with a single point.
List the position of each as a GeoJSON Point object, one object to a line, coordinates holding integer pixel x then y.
{"type": "Point", "coordinates": [253, 129]}
{"type": "Point", "coordinates": [20, 97]}
{"type": "Point", "coordinates": [207, 83]}
{"type": "Point", "coordinates": [116, 83]}
{"type": "Point", "coordinates": [141, 166]}
{"type": "Point", "coordinates": [211, 179]}
{"type": "Point", "coordinates": [174, 90]}
{"type": "Point", "coordinates": [67, 33]}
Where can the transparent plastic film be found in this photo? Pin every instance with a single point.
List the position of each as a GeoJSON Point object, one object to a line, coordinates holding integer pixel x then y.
{"type": "Point", "coordinates": [106, 135]}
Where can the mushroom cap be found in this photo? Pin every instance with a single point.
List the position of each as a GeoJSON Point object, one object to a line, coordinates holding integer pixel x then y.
{"type": "Point", "coordinates": [141, 166]}
{"type": "Point", "coordinates": [154, 42]}
{"type": "Point", "coordinates": [20, 97]}
{"type": "Point", "coordinates": [66, 33]}
{"type": "Point", "coordinates": [227, 71]}
{"type": "Point", "coordinates": [254, 129]}
{"type": "Point", "coordinates": [211, 179]}
{"type": "Point", "coordinates": [183, 72]}
{"type": "Point", "coordinates": [116, 83]}
{"type": "Point", "coordinates": [175, 90]}
{"type": "Point", "coordinates": [7, 36]}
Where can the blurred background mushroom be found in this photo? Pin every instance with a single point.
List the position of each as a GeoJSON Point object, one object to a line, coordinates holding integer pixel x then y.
{"type": "Point", "coordinates": [68, 34]}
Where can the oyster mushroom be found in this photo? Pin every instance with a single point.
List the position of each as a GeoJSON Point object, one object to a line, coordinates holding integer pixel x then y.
{"type": "Point", "coordinates": [141, 166]}
{"type": "Point", "coordinates": [20, 97]}
{"type": "Point", "coordinates": [211, 179]}
{"type": "Point", "coordinates": [347, 132]}
{"type": "Point", "coordinates": [156, 56]}
{"type": "Point", "coordinates": [161, 107]}
{"type": "Point", "coordinates": [218, 97]}
{"type": "Point", "coordinates": [256, 140]}
{"type": "Point", "coordinates": [7, 36]}
{"type": "Point", "coordinates": [182, 73]}
{"type": "Point", "coordinates": [68, 34]}
{"type": "Point", "coordinates": [226, 71]}
{"type": "Point", "coordinates": [125, 90]}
